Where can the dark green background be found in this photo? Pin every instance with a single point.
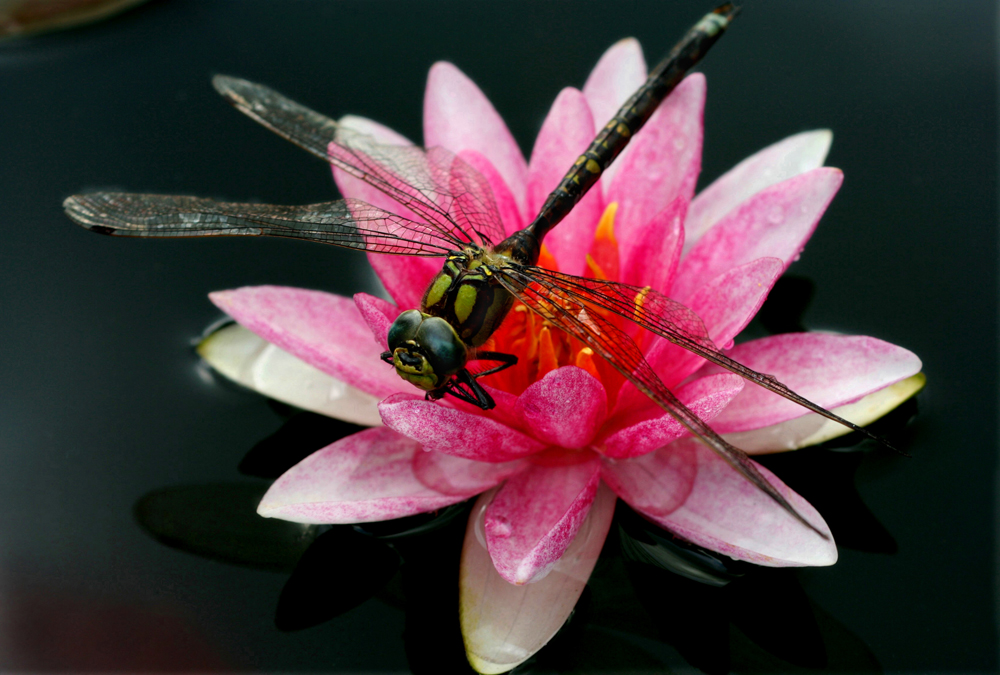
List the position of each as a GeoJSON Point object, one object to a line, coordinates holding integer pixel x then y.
{"type": "Point", "coordinates": [101, 401]}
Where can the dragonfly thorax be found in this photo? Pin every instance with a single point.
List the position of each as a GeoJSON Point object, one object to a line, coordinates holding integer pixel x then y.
{"type": "Point", "coordinates": [467, 295]}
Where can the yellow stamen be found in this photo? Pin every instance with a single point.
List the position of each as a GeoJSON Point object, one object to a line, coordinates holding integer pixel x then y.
{"type": "Point", "coordinates": [603, 257]}
{"type": "Point", "coordinates": [585, 360]}
{"type": "Point", "coordinates": [595, 270]}
{"type": "Point", "coordinates": [606, 226]}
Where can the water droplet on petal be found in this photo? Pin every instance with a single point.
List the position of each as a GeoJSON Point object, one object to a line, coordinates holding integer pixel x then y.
{"type": "Point", "coordinates": [499, 527]}
{"type": "Point", "coordinates": [775, 215]}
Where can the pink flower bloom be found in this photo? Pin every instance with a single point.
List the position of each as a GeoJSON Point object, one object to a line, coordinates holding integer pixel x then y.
{"type": "Point", "coordinates": [569, 434]}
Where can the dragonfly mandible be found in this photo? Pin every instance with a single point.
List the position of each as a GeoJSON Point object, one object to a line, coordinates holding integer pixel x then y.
{"type": "Point", "coordinates": [484, 272]}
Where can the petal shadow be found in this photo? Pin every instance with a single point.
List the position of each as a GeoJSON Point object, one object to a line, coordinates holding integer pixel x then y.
{"type": "Point", "coordinates": [342, 569]}
{"type": "Point", "coordinates": [219, 521]}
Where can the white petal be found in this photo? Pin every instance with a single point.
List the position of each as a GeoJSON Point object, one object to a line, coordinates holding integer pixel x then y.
{"type": "Point", "coordinates": [504, 624]}
{"type": "Point", "coordinates": [812, 429]}
{"type": "Point", "coordinates": [252, 361]}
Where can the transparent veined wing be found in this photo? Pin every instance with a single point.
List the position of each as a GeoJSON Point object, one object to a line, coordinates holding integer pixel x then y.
{"type": "Point", "coordinates": [347, 223]}
{"type": "Point", "coordinates": [434, 184]}
{"type": "Point", "coordinates": [671, 320]}
{"type": "Point", "coordinates": [582, 319]}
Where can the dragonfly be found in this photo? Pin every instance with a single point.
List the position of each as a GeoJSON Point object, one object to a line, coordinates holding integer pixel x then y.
{"type": "Point", "coordinates": [484, 272]}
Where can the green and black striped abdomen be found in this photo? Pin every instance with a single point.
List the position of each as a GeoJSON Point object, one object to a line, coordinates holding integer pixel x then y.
{"type": "Point", "coordinates": [616, 134]}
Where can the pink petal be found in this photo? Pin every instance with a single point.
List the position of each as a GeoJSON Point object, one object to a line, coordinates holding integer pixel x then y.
{"type": "Point", "coordinates": [405, 277]}
{"type": "Point", "coordinates": [566, 133]}
{"type": "Point", "coordinates": [663, 163]}
{"type": "Point", "coordinates": [536, 514]}
{"type": "Point", "coordinates": [458, 116]}
{"type": "Point", "coordinates": [774, 223]}
{"type": "Point", "coordinates": [656, 483]}
{"type": "Point", "coordinates": [510, 213]}
{"type": "Point", "coordinates": [654, 256]}
{"type": "Point", "coordinates": [789, 157]}
{"type": "Point", "coordinates": [361, 478]}
{"type": "Point", "coordinates": [455, 432]}
{"type": "Point", "coordinates": [619, 72]}
{"type": "Point", "coordinates": [726, 513]}
{"type": "Point", "coordinates": [324, 330]}
{"type": "Point", "coordinates": [706, 397]}
{"type": "Point", "coordinates": [504, 624]}
{"type": "Point", "coordinates": [727, 303]}
{"type": "Point", "coordinates": [830, 370]}
{"type": "Point", "coordinates": [564, 408]}
{"type": "Point", "coordinates": [378, 314]}
{"type": "Point", "coordinates": [452, 475]}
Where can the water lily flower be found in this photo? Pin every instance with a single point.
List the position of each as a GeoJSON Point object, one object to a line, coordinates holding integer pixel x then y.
{"type": "Point", "coordinates": [569, 435]}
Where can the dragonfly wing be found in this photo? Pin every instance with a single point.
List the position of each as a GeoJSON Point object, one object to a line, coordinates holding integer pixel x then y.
{"type": "Point", "coordinates": [434, 184]}
{"type": "Point", "coordinates": [346, 223]}
{"type": "Point", "coordinates": [671, 320]}
{"type": "Point", "coordinates": [562, 309]}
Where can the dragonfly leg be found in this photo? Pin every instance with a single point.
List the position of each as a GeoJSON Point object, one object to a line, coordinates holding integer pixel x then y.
{"type": "Point", "coordinates": [506, 361]}
{"type": "Point", "coordinates": [387, 357]}
{"type": "Point", "coordinates": [465, 388]}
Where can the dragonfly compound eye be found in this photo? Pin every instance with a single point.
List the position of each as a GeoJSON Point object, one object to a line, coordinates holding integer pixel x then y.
{"type": "Point", "coordinates": [404, 328]}
{"type": "Point", "coordinates": [426, 350]}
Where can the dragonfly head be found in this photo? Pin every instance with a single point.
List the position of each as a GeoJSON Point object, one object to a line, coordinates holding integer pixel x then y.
{"type": "Point", "coordinates": [426, 350]}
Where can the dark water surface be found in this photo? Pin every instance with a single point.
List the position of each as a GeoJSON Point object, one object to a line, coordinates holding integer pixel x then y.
{"type": "Point", "coordinates": [102, 403]}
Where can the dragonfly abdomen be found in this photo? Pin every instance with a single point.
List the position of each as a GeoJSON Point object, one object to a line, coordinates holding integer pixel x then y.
{"type": "Point", "coordinates": [617, 133]}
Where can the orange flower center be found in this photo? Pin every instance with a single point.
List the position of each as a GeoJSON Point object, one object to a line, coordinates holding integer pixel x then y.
{"type": "Point", "coordinates": [541, 347]}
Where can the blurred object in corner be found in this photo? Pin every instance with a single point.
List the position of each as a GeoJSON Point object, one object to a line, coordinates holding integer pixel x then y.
{"type": "Point", "coordinates": [28, 17]}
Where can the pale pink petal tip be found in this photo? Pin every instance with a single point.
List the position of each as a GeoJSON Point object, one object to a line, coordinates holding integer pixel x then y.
{"type": "Point", "coordinates": [535, 516]}
{"type": "Point", "coordinates": [774, 223]}
{"type": "Point", "coordinates": [252, 361]}
{"type": "Point", "coordinates": [502, 624]}
{"type": "Point", "coordinates": [724, 512]}
{"type": "Point", "coordinates": [362, 478]}
{"type": "Point", "coordinates": [618, 73]}
{"type": "Point", "coordinates": [775, 163]}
